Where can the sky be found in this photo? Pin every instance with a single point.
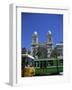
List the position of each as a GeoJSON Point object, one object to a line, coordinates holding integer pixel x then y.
{"type": "Point", "coordinates": [41, 23]}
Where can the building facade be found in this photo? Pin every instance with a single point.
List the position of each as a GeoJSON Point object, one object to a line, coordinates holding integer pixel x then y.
{"type": "Point", "coordinates": [44, 47]}
{"type": "Point", "coordinates": [59, 48]}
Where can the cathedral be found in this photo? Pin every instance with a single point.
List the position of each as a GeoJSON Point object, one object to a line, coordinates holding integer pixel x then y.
{"type": "Point", "coordinates": [45, 48]}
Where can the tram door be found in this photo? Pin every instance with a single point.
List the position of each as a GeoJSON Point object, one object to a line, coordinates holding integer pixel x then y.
{"type": "Point", "coordinates": [43, 64]}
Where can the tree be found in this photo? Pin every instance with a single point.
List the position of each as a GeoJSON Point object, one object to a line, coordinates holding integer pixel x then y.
{"type": "Point", "coordinates": [29, 52]}
{"type": "Point", "coordinates": [24, 50]}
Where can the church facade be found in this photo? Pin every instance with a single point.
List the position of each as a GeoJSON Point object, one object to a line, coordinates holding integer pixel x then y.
{"type": "Point", "coordinates": [42, 50]}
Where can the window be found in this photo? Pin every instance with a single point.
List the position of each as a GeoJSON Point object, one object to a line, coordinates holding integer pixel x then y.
{"type": "Point", "coordinates": [50, 63]}
{"type": "Point", "coordinates": [36, 63]}
{"type": "Point", "coordinates": [43, 64]}
{"type": "Point", "coordinates": [61, 62]}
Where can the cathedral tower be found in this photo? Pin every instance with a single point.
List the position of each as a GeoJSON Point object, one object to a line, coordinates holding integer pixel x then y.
{"type": "Point", "coordinates": [34, 43]}
{"type": "Point", "coordinates": [34, 38]}
{"type": "Point", "coordinates": [49, 43]}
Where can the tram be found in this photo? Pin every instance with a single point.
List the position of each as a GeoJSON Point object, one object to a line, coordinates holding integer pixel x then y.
{"type": "Point", "coordinates": [40, 67]}
{"type": "Point", "coordinates": [27, 67]}
{"type": "Point", "coordinates": [48, 66]}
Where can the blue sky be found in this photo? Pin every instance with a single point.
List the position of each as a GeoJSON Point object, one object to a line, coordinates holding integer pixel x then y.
{"type": "Point", "coordinates": [41, 23]}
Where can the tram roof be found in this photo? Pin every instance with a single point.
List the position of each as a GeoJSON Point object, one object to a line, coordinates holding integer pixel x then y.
{"type": "Point", "coordinates": [27, 55]}
{"type": "Point", "coordinates": [45, 59]}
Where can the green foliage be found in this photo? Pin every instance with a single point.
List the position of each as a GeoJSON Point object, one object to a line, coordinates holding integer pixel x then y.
{"type": "Point", "coordinates": [29, 52]}
{"type": "Point", "coordinates": [24, 50]}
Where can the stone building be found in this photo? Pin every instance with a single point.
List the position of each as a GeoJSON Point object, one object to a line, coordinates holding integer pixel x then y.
{"type": "Point", "coordinates": [45, 47]}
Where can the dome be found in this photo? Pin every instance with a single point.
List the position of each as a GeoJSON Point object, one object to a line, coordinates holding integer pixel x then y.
{"type": "Point", "coordinates": [49, 32]}
{"type": "Point", "coordinates": [35, 33]}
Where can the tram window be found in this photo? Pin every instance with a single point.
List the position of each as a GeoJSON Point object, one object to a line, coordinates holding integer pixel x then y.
{"type": "Point", "coordinates": [26, 63]}
{"type": "Point", "coordinates": [31, 63]}
{"type": "Point", "coordinates": [50, 63]}
{"type": "Point", "coordinates": [43, 64]}
{"type": "Point", "coordinates": [23, 62]}
{"type": "Point", "coordinates": [36, 63]}
{"type": "Point", "coordinates": [61, 62]}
